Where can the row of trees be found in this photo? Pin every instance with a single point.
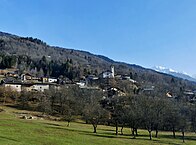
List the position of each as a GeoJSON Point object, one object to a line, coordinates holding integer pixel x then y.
{"type": "Point", "coordinates": [152, 114]}
{"type": "Point", "coordinates": [133, 111]}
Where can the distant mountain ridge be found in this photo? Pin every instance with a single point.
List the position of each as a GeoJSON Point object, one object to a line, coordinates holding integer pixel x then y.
{"type": "Point", "coordinates": [174, 73]}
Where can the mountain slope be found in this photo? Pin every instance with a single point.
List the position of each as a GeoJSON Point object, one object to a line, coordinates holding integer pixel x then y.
{"type": "Point", "coordinates": [36, 49]}
{"type": "Point", "coordinates": [174, 73]}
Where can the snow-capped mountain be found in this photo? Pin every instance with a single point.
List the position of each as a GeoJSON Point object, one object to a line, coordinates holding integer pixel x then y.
{"type": "Point", "coordinates": [183, 75]}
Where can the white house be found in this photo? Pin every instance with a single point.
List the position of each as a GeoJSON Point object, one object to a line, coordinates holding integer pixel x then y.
{"type": "Point", "coordinates": [108, 73]}
{"type": "Point", "coordinates": [40, 87]}
{"type": "Point", "coordinates": [81, 84]}
{"type": "Point", "coordinates": [14, 86]}
{"type": "Point", "coordinates": [52, 80]}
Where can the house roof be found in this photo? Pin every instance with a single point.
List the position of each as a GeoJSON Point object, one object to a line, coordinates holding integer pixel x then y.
{"type": "Point", "coordinates": [114, 88]}
{"type": "Point", "coordinates": [13, 83]}
{"type": "Point", "coordinates": [29, 84]}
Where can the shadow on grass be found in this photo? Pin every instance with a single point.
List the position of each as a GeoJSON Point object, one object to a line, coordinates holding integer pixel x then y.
{"type": "Point", "coordinates": [178, 137]}
{"type": "Point", "coordinates": [137, 138]}
{"type": "Point", "coordinates": [108, 130]}
{"type": "Point", "coordinates": [67, 129]}
{"type": "Point", "coordinates": [85, 132]}
{"type": "Point", "coordinates": [52, 124]}
{"type": "Point", "coordinates": [7, 138]}
{"type": "Point", "coordinates": [108, 134]}
{"type": "Point", "coordinates": [165, 142]}
{"type": "Point", "coordinates": [139, 135]}
{"type": "Point", "coordinates": [140, 138]}
{"type": "Point", "coordinates": [102, 135]}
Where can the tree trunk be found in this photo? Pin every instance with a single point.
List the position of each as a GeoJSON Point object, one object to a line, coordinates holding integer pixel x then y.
{"type": "Point", "coordinates": [133, 132]}
{"type": "Point", "coordinates": [15, 101]}
{"type": "Point", "coordinates": [121, 131]}
{"type": "Point", "coordinates": [150, 134]}
{"type": "Point", "coordinates": [136, 132]}
{"type": "Point", "coordinates": [174, 134]}
{"type": "Point", "coordinates": [95, 128]}
{"type": "Point", "coordinates": [4, 101]}
{"type": "Point", "coordinates": [116, 127]}
{"type": "Point", "coordinates": [52, 105]}
{"type": "Point", "coordinates": [183, 136]}
{"type": "Point", "coordinates": [68, 123]}
{"type": "Point", "coordinates": [156, 135]}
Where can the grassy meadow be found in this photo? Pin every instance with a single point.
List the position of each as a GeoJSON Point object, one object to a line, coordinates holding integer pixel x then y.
{"type": "Point", "coordinates": [16, 131]}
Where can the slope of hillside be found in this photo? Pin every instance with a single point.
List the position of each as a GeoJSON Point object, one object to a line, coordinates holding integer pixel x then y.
{"type": "Point", "coordinates": [35, 48]}
{"type": "Point", "coordinates": [11, 44]}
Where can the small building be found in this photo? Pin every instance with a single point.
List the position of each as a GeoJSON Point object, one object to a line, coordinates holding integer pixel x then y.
{"type": "Point", "coordinates": [14, 86]}
{"type": "Point", "coordinates": [81, 84]}
{"type": "Point", "coordinates": [111, 92]}
{"type": "Point", "coordinates": [169, 94]}
{"type": "Point", "coordinates": [8, 71]}
{"type": "Point", "coordinates": [25, 77]}
{"type": "Point", "coordinates": [188, 92]}
{"type": "Point", "coordinates": [118, 76]}
{"type": "Point", "coordinates": [44, 79]}
{"type": "Point", "coordinates": [127, 77]}
{"type": "Point", "coordinates": [108, 73]}
{"type": "Point", "coordinates": [12, 74]}
{"type": "Point", "coordinates": [92, 77]}
{"type": "Point", "coordinates": [52, 80]}
{"type": "Point", "coordinates": [40, 87]}
{"type": "Point", "coordinates": [29, 86]}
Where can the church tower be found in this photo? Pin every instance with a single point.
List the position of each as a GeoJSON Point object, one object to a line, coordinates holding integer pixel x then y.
{"type": "Point", "coordinates": [112, 70]}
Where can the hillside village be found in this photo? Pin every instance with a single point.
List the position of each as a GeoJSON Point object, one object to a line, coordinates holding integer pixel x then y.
{"type": "Point", "coordinates": [58, 67]}
{"type": "Point", "coordinates": [11, 79]}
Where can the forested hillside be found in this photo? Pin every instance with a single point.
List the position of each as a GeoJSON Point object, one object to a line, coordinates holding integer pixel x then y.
{"type": "Point", "coordinates": [35, 56]}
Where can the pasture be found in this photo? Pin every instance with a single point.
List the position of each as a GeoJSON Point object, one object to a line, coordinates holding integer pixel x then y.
{"type": "Point", "coordinates": [17, 131]}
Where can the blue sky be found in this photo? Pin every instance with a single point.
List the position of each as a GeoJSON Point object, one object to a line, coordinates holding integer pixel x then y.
{"type": "Point", "coordinates": [143, 32]}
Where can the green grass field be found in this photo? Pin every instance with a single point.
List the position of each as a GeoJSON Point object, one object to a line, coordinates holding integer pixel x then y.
{"type": "Point", "coordinates": [15, 131]}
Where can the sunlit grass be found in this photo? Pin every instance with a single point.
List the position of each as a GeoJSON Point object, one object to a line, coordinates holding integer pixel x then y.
{"type": "Point", "coordinates": [15, 131]}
